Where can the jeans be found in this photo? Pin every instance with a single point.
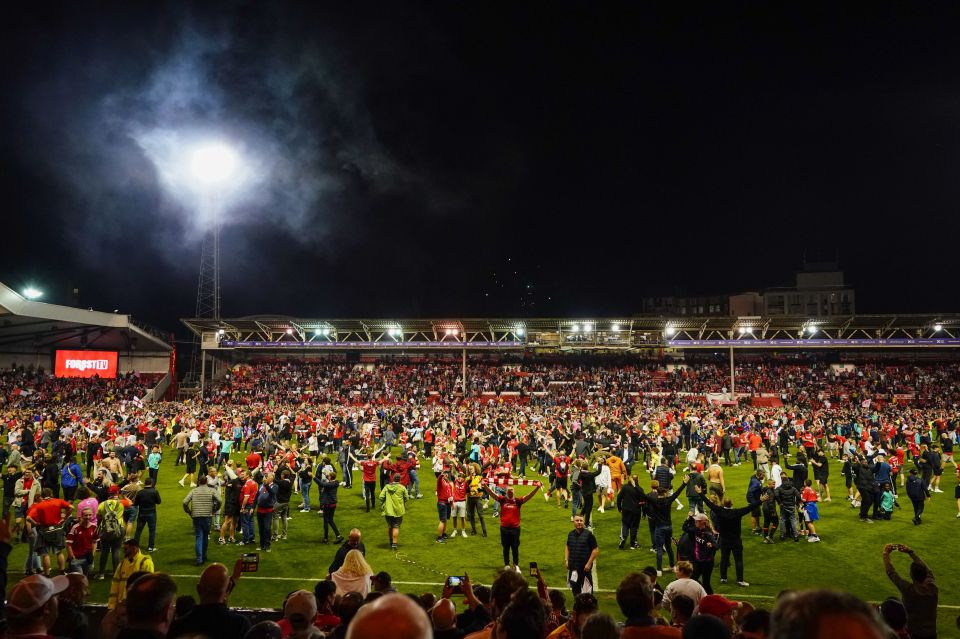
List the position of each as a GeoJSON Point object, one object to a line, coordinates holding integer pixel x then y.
{"type": "Point", "coordinates": [575, 498]}
{"type": "Point", "coordinates": [263, 524]}
{"type": "Point", "coordinates": [576, 585]}
{"type": "Point", "coordinates": [201, 534]}
{"type": "Point", "coordinates": [474, 510]}
{"type": "Point", "coordinates": [370, 494]}
{"type": "Point", "coordinates": [662, 539]}
{"type": "Point", "coordinates": [917, 508]}
{"type": "Point", "coordinates": [328, 512]}
{"type": "Point", "coordinates": [148, 519]}
{"type": "Point", "coordinates": [280, 514]}
{"type": "Point", "coordinates": [111, 548]}
{"type": "Point", "coordinates": [246, 526]}
{"type": "Point", "coordinates": [737, 550]}
{"type": "Point", "coordinates": [696, 503]}
{"type": "Point", "coordinates": [347, 474]}
{"type": "Point", "coordinates": [586, 508]}
{"type": "Point", "coordinates": [305, 494]}
{"type": "Point", "coordinates": [414, 483]}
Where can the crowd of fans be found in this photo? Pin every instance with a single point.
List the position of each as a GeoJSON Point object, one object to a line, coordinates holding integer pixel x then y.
{"type": "Point", "coordinates": [586, 430]}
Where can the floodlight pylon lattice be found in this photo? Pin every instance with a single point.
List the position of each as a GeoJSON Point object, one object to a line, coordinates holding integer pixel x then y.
{"type": "Point", "coordinates": [208, 290]}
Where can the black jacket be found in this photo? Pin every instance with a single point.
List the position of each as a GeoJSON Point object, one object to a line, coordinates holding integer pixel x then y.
{"type": "Point", "coordinates": [728, 521]}
{"type": "Point", "coordinates": [631, 499]}
{"type": "Point", "coordinates": [215, 621]}
{"type": "Point", "coordinates": [658, 508]}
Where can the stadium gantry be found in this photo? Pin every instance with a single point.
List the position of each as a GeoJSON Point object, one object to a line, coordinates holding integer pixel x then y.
{"type": "Point", "coordinates": [272, 332]}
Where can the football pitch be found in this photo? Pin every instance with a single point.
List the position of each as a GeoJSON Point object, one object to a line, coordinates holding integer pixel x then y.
{"type": "Point", "coordinates": [848, 558]}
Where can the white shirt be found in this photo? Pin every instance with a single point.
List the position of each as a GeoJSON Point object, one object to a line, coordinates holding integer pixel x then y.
{"type": "Point", "coordinates": [776, 474]}
{"type": "Point", "coordinates": [683, 586]}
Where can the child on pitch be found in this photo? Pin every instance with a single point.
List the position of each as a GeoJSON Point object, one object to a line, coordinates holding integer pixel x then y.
{"type": "Point", "coordinates": [810, 511]}
{"type": "Point", "coordinates": [888, 501]}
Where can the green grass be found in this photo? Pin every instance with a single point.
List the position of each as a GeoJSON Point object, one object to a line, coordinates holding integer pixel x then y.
{"type": "Point", "coordinates": [848, 557]}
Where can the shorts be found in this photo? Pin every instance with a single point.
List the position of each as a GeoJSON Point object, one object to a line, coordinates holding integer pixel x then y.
{"type": "Point", "coordinates": [956, 491]}
{"type": "Point", "coordinates": [560, 483]}
{"type": "Point", "coordinates": [755, 512]}
{"type": "Point", "coordinates": [130, 514]}
{"type": "Point", "coordinates": [443, 510]}
{"type": "Point", "coordinates": [937, 472]}
{"type": "Point", "coordinates": [459, 509]}
{"type": "Point", "coordinates": [394, 522]}
{"type": "Point", "coordinates": [822, 479]}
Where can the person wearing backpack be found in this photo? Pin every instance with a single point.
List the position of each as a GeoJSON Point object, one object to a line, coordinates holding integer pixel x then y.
{"type": "Point", "coordinates": [71, 477]}
{"type": "Point", "coordinates": [110, 529]}
{"type": "Point", "coordinates": [266, 501]}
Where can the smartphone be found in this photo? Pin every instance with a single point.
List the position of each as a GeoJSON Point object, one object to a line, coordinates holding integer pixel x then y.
{"type": "Point", "coordinates": [455, 583]}
{"type": "Point", "coordinates": [534, 569]}
{"type": "Point", "coordinates": [251, 562]}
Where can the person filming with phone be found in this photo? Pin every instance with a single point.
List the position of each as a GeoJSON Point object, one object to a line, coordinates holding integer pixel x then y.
{"type": "Point", "coordinates": [579, 555]}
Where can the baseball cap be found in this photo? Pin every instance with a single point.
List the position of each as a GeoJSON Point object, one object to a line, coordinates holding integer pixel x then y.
{"type": "Point", "coordinates": [30, 593]}
{"type": "Point", "coordinates": [114, 489]}
{"type": "Point", "coordinates": [302, 604]}
{"type": "Point", "coordinates": [716, 605]}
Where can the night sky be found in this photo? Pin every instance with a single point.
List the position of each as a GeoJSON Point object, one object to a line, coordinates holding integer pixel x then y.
{"type": "Point", "coordinates": [481, 159]}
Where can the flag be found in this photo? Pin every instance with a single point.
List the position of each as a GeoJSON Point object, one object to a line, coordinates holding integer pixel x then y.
{"type": "Point", "coordinates": [865, 403]}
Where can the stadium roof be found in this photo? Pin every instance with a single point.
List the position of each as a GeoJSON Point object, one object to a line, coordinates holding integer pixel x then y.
{"type": "Point", "coordinates": [623, 333]}
{"type": "Point", "coordinates": [28, 324]}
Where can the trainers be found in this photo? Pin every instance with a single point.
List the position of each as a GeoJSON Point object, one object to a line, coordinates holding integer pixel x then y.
{"type": "Point", "coordinates": [393, 546]}
{"type": "Point", "coordinates": [813, 539]}
{"type": "Point", "coordinates": [463, 533]}
{"type": "Point", "coordinates": [659, 573]}
{"type": "Point", "coordinates": [679, 506]}
{"type": "Point", "coordinates": [181, 483]}
{"type": "Point", "coordinates": [192, 485]}
{"type": "Point", "coordinates": [767, 540]}
{"type": "Point", "coordinates": [937, 490]}
{"type": "Point", "coordinates": [743, 584]}
{"type": "Point", "coordinates": [507, 568]}
{"type": "Point", "coordinates": [441, 540]}
{"type": "Point", "coordinates": [867, 520]}
{"type": "Point", "coordinates": [517, 568]}
{"type": "Point", "coordinates": [723, 581]}
{"type": "Point", "coordinates": [152, 549]}
{"type": "Point", "coordinates": [623, 543]}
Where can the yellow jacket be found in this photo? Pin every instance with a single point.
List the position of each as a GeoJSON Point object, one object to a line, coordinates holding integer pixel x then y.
{"type": "Point", "coordinates": [118, 587]}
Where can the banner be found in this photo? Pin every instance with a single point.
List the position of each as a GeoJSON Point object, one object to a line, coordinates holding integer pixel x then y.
{"type": "Point", "coordinates": [101, 364]}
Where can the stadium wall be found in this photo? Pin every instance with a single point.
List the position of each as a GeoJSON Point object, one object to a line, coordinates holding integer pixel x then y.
{"type": "Point", "coordinates": [127, 361]}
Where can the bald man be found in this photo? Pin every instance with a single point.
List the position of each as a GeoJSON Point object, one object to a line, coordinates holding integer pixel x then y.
{"type": "Point", "coordinates": [405, 619]}
{"type": "Point", "coordinates": [444, 617]}
{"type": "Point", "coordinates": [352, 543]}
{"type": "Point", "coordinates": [211, 617]}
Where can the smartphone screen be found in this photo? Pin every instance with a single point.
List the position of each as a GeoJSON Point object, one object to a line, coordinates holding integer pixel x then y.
{"type": "Point", "coordinates": [534, 569]}
{"type": "Point", "coordinates": [251, 561]}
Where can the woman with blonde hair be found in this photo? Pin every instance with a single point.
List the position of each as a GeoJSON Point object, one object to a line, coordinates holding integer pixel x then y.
{"type": "Point", "coordinates": [354, 575]}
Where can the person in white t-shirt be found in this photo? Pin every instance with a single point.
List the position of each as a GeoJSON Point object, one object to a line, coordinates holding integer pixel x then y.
{"type": "Point", "coordinates": [683, 585]}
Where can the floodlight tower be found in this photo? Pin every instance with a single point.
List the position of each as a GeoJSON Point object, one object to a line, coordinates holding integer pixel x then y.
{"type": "Point", "coordinates": [211, 166]}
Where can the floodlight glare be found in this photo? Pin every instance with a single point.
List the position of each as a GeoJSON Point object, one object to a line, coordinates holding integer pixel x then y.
{"type": "Point", "coordinates": [575, 328]}
{"type": "Point", "coordinates": [519, 332]}
{"type": "Point", "coordinates": [221, 332]}
{"type": "Point", "coordinates": [811, 329]}
{"type": "Point", "coordinates": [213, 163]}
{"type": "Point", "coordinates": [938, 327]}
{"type": "Point", "coordinates": [587, 328]}
{"type": "Point", "coordinates": [743, 330]}
{"type": "Point", "coordinates": [32, 293]}
{"type": "Point", "coordinates": [289, 331]}
{"type": "Point", "coordinates": [669, 331]}
{"type": "Point", "coordinates": [616, 328]}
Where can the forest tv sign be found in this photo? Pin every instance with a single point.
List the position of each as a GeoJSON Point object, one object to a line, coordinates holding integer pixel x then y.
{"type": "Point", "coordinates": [86, 364]}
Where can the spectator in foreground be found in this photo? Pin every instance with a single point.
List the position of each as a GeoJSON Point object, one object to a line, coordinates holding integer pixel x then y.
{"type": "Point", "coordinates": [584, 605]}
{"type": "Point", "coordinates": [600, 626]}
{"type": "Point", "coordinates": [211, 617]}
{"type": "Point", "coordinates": [920, 595]}
{"type": "Point", "coordinates": [300, 611]}
{"type": "Point", "coordinates": [824, 614]}
{"type": "Point", "coordinates": [133, 561]}
{"type": "Point", "coordinates": [525, 616]}
{"type": "Point", "coordinates": [580, 554]}
{"type": "Point", "coordinates": [706, 627]}
{"type": "Point", "coordinates": [71, 619]}
{"type": "Point", "coordinates": [354, 575]}
{"type": "Point", "coordinates": [115, 619]}
{"type": "Point", "coordinates": [150, 607]}
{"type": "Point", "coordinates": [443, 615]}
{"type": "Point", "coordinates": [398, 613]}
{"type": "Point", "coordinates": [635, 598]}
{"type": "Point", "coordinates": [32, 606]}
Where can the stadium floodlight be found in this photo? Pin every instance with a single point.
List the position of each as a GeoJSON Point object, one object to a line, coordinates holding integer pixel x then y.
{"type": "Point", "coordinates": [811, 329]}
{"type": "Point", "coordinates": [938, 327]}
{"type": "Point", "coordinates": [32, 293]}
{"type": "Point", "coordinates": [575, 328]}
{"type": "Point", "coordinates": [587, 327]}
{"type": "Point", "coordinates": [213, 162]}
{"type": "Point", "coordinates": [221, 332]}
{"type": "Point", "coordinates": [289, 331]}
{"type": "Point", "coordinates": [669, 331]}
{"type": "Point", "coordinates": [519, 331]}
{"type": "Point", "coordinates": [615, 328]}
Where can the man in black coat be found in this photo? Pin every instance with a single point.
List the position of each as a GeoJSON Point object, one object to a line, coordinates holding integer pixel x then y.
{"type": "Point", "coordinates": [728, 521]}
{"type": "Point", "coordinates": [630, 503]}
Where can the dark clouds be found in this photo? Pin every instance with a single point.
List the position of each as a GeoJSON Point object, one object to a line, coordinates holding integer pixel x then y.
{"type": "Point", "coordinates": [412, 159]}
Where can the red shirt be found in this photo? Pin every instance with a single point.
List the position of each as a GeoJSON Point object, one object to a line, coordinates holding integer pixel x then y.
{"type": "Point", "coordinates": [510, 511]}
{"type": "Point", "coordinates": [444, 492]}
{"type": "Point", "coordinates": [249, 493]}
{"type": "Point", "coordinates": [47, 512]}
{"type": "Point", "coordinates": [81, 539]}
{"type": "Point", "coordinates": [460, 490]}
{"type": "Point", "coordinates": [254, 460]}
{"type": "Point", "coordinates": [369, 468]}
